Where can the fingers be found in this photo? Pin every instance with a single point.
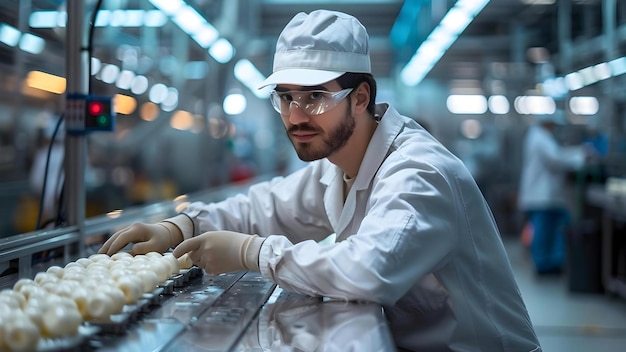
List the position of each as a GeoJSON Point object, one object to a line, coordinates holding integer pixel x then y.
{"type": "Point", "coordinates": [121, 238]}
{"type": "Point", "coordinates": [106, 247]}
{"type": "Point", "coordinates": [142, 248]}
{"type": "Point", "coordinates": [187, 246]}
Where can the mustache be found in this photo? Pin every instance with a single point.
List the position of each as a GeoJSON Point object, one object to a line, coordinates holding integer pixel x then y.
{"type": "Point", "coordinates": [302, 128]}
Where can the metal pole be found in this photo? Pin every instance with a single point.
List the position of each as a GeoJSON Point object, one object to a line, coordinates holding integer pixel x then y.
{"type": "Point", "coordinates": [76, 145]}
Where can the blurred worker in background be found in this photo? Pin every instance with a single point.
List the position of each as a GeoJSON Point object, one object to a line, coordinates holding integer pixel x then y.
{"type": "Point", "coordinates": [542, 194]}
{"type": "Point", "coordinates": [413, 231]}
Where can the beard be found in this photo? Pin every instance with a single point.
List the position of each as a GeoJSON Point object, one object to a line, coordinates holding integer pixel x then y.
{"type": "Point", "coordinates": [331, 141]}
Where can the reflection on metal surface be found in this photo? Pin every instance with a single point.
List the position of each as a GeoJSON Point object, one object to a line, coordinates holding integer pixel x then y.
{"type": "Point", "coordinates": [297, 323]}
{"type": "Point", "coordinates": [219, 327]}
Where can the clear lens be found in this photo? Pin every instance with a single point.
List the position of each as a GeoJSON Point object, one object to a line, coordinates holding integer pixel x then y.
{"type": "Point", "coordinates": [313, 102]}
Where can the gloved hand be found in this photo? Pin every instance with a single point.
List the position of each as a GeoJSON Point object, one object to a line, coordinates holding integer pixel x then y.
{"type": "Point", "coordinates": [222, 251]}
{"type": "Point", "coordinates": [157, 237]}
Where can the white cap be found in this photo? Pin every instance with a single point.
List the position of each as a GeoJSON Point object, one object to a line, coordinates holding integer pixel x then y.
{"type": "Point", "coordinates": [319, 47]}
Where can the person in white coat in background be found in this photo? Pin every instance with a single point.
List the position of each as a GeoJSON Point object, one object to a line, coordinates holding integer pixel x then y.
{"type": "Point", "coordinates": [413, 231]}
{"type": "Point", "coordinates": [542, 194]}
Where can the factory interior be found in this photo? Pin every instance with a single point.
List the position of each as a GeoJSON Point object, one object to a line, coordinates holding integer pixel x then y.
{"type": "Point", "coordinates": [178, 118]}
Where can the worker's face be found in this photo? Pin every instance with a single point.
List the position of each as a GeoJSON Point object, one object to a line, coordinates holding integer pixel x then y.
{"type": "Point", "coordinates": [318, 136]}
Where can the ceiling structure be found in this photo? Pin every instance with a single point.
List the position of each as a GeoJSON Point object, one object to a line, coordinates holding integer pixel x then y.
{"type": "Point", "coordinates": [499, 34]}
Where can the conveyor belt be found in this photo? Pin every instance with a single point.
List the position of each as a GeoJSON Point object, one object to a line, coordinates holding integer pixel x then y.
{"type": "Point", "coordinates": [233, 312]}
{"type": "Point", "coordinates": [211, 309]}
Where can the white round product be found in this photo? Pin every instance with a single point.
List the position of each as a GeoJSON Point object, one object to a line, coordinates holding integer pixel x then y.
{"type": "Point", "coordinates": [99, 257]}
{"type": "Point", "coordinates": [173, 263]}
{"type": "Point", "coordinates": [29, 290]}
{"type": "Point", "coordinates": [153, 255]}
{"type": "Point", "coordinates": [33, 311]}
{"type": "Point", "coordinates": [185, 262]}
{"type": "Point", "coordinates": [56, 270]}
{"type": "Point", "coordinates": [71, 265]}
{"type": "Point", "coordinates": [17, 295]}
{"type": "Point", "coordinates": [84, 262]}
{"type": "Point", "coordinates": [99, 305]}
{"type": "Point", "coordinates": [149, 280]}
{"type": "Point", "coordinates": [116, 295]}
{"type": "Point", "coordinates": [21, 334]}
{"type": "Point", "coordinates": [43, 277]}
{"type": "Point", "coordinates": [161, 268]}
{"type": "Point", "coordinates": [61, 321]}
{"type": "Point", "coordinates": [23, 283]}
{"type": "Point", "coordinates": [10, 301]}
{"type": "Point", "coordinates": [12, 298]}
{"type": "Point", "coordinates": [131, 288]}
{"type": "Point", "coordinates": [121, 255]}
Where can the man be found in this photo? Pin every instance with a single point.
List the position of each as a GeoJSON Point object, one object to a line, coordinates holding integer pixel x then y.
{"type": "Point", "coordinates": [413, 231]}
{"type": "Point", "coordinates": [542, 194]}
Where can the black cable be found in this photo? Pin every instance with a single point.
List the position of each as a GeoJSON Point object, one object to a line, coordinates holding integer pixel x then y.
{"type": "Point", "coordinates": [45, 173]}
{"type": "Point", "coordinates": [89, 48]}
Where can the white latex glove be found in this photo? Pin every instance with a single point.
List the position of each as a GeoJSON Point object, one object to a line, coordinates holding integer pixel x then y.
{"type": "Point", "coordinates": [157, 237]}
{"type": "Point", "coordinates": [220, 252]}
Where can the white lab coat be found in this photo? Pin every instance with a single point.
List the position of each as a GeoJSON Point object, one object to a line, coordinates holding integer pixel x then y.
{"type": "Point", "coordinates": [415, 235]}
{"type": "Point", "coordinates": [544, 165]}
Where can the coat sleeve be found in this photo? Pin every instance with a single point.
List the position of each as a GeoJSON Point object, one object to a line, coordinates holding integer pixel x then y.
{"type": "Point", "coordinates": [284, 205]}
{"type": "Point", "coordinates": [407, 232]}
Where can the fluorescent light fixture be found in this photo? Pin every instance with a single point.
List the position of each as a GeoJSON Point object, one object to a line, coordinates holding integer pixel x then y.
{"type": "Point", "coordinates": [584, 105]}
{"type": "Point", "coordinates": [43, 19]}
{"type": "Point", "coordinates": [125, 79]}
{"type": "Point", "coordinates": [251, 77]}
{"type": "Point", "coordinates": [103, 18]}
{"type": "Point", "coordinates": [535, 105]}
{"type": "Point", "coordinates": [116, 18]}
{"type": "Point", "coordinates": [574, 81]}
{"type": "Point", "coordinates": [134, 18]}
{"type": "Point", "coordinates": [109, 73]}
{"type": "Point", "coordinates": [169, 7]}
{"type": "Point", "coordinates": [602, 71]}
{"type": "Point", "coordinates": [171, 99]}
{"type": "Point", "coordinates": [467, 104]}
{"type": "Point", "coordinates": [32, 43]}
{"type": "Point", "coordinates": [124, 104]}
{"type": "Point", "coordinates": [96, 64]}
{"type": "Point", "coordinates": [188, 19]}
{"type": "Point", "coordinates": [441, 38]}
{"type": "Point", "coordinates": [234, 104]}
{"type": "Point", "coordinates": [618, 66]}
{"type": "Point", "coordinates": [498, 104]}
{"type": "Point", "coordinates": [222, 51]}
{"type": "Point", "coordinates": [588, 75]}
{"type": "Point", "coordinates": [154, 18]}
{"type": "Point", "coordinates": [205, 35]}
{"type": "Point", "coordinates": [46, 81]}
{"type": "Point", "coordinates": [158, 93]}
{"type": "Point", "coordinates": [139, 85]}
{"type": "Point", "coordinates": [9, 35]}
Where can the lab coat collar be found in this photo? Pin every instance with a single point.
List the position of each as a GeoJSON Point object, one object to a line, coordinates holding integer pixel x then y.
{"type": "Point", "coordinates": [389, 127]}
{"type": "Point", "coordinates": [340, 214]}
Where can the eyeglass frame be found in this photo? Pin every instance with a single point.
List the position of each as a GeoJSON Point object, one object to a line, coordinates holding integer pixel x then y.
{"type": "Point", "coordinates": [277, 101]}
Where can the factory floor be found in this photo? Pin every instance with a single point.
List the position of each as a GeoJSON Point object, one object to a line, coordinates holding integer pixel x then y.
{"type": "Point", "coordinates": [567, 321]}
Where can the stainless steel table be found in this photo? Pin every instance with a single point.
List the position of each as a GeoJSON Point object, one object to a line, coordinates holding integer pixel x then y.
{"type": "Point", "coordinates": [243, 312]}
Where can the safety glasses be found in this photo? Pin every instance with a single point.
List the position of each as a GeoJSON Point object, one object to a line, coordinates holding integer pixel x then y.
{"type": "Point", "coordinates": [311, 102]}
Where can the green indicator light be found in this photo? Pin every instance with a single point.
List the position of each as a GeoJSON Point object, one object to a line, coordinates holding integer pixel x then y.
{"type": "Point", "coordinates": [103, 120]}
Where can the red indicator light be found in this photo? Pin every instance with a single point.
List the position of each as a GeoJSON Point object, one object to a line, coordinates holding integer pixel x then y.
{"type": "Point", "coordinates": [96, 108]}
